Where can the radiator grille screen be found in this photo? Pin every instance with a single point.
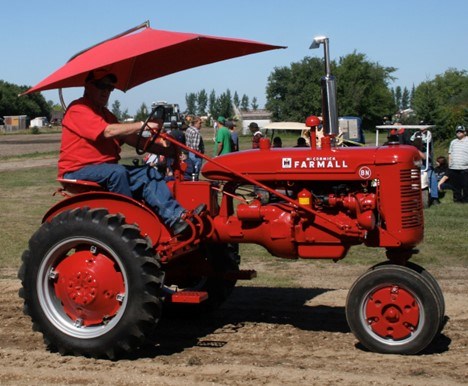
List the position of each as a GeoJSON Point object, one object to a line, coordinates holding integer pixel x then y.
{"type": "Point", "coordinates": [411, 199]}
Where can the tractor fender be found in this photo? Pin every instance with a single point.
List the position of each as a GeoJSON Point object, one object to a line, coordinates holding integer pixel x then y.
{"type": "Point", "coordinates": [134, 211]}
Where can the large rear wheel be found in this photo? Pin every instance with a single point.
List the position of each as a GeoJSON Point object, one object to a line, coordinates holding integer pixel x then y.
{"type": "Point", "coordinates": [393, 310]}
{"type": "Point", "coordinates": [91, 284]}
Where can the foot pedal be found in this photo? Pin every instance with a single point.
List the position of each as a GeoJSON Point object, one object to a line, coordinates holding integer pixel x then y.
{"type": "Point", "coordinates": [191, 297]}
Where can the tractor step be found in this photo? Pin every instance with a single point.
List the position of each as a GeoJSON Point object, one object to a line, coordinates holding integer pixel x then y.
{"type": "Point", "coordinates": [191, 297]}
{"type": "Point", "coordinates": [243, 274]}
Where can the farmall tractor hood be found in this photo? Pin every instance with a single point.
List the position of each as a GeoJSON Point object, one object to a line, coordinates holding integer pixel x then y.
{"type": "Point", "coordinates": [280, 164]}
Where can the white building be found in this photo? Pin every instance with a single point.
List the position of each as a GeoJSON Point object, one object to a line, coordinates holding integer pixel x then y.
{"type": "Point", "coordinates": [259, 116]}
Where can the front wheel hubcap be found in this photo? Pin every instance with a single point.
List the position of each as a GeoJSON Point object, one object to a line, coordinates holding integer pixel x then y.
{"type": "Point", "coordinates": [392, 312]}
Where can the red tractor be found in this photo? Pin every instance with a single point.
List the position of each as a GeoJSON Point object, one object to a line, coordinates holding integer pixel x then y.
{"type": "Point", "coordinates": [102, 266]}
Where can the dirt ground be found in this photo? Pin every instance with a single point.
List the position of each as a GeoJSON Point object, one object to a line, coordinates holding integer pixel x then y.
{"type": "Point", "coordinates": [260, 336]}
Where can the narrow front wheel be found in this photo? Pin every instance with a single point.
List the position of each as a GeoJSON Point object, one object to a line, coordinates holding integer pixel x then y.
{"type": "Point", "coordinates": [393, 310]}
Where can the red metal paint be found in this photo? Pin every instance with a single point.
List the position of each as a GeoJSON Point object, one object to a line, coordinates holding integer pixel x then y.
{"type": "Point", "coordinates": [88, 285]}
{"type": "Point", "coordinates": [392, 312]}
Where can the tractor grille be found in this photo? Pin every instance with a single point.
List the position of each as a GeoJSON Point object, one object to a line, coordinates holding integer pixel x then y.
{"type": "Point", "coordinates": [411, 200]}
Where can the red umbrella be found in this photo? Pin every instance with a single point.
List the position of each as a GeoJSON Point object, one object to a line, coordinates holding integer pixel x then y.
{"type": "Point", "coordinates": [149, 54]}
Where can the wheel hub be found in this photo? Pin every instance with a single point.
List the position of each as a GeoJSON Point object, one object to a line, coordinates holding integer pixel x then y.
{"type": "Point", "coordinates": [82, 287]}
{"type": "Point", "coordinates": [392, 312]}
{"type": "Point", "coordinates": [90, 287]}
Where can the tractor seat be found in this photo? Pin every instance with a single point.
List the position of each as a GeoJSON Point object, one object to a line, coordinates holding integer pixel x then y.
{"type": "Point", "coordinates": [79, 186]}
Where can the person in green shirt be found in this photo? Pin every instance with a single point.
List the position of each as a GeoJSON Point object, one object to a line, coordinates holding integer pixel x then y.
{"type": "Point", "coordinates": [223, 138]}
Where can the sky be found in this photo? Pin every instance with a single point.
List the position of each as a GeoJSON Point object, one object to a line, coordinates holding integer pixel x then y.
{"type": "Point", "coordinates": [421, 38]}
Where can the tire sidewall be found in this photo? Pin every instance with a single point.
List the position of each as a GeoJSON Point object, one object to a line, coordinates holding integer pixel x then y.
{"type": "Point", "coordinates": [411, 282]}
{"type": "Point", "coordinates": [67, 226]}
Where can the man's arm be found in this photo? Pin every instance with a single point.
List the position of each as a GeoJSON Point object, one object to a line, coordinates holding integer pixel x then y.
{"type": "Point", "coordinates": [156, 148]}
{"type": "Point", "coordinates": [220, 148]}
{"type": "Point", "coordinates": [121, 129]}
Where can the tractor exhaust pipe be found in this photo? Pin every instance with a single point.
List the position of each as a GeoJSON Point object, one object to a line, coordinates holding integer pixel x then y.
{"type": "Point", "coordinates": [328, 84]}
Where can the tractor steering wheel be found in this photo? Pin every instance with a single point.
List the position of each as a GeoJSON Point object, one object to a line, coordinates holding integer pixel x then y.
{"type": "Point", "coordinates": [145, 138]}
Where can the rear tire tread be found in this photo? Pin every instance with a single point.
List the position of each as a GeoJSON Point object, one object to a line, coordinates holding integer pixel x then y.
{"type": "Point", "coordinates": [141, 266]}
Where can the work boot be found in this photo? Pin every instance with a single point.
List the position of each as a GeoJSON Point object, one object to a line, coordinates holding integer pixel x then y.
{"type": "Point", "coordinates": [182, 223]}
{"type": "Point", "coordinates": [200, 208]}
{"type": "Point", "coordinates": [179, 226]}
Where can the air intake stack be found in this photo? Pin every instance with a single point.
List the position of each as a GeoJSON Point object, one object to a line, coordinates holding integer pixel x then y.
{"type": "Point", "coordinates": [328, 84]}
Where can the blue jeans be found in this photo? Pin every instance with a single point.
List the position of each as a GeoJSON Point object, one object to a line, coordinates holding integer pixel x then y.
{"type": "Point", "coordinates": [433, 184]}
{"type": "Point", "coordinates": [139, 182]}
{"type": "Point", "coordinates": [197, 163]}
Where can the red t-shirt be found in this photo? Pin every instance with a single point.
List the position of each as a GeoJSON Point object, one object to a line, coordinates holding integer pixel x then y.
{"type": "Point", "coordinates": [82, 140]}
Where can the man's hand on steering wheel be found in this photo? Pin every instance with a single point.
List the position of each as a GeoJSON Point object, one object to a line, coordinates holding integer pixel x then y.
{"type": "Point", "coordinates": [147, 135]}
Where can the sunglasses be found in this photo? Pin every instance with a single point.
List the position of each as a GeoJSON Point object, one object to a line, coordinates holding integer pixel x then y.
{"type": "Point", "coordinates": [104, 86]}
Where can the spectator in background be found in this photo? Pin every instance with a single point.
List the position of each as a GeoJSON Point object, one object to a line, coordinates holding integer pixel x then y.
{"type": "Point", "coordinates": [194, 140]}
{"type": "Point", "coordinates": [277, 142]}
{"type": "Point", "coordinates": [256, 135]}
{"type": "Point", "coordinates": [177, 133]}
{"type": "Point", "coordinates": [301, 142]}
{"type": "Point", "coordinates": [458, 165]}
{"type": "Point", "coordinates": [187, 167]}
{"type": "Point", "coordinates": [400, 134]}
{"type": "Point", "coordinates": [422, 140]}
{"type": "Point", "coordinates": [442, 173]}
{"type": "Point", "coordinates": [234, 136]}
{"type": "Point", "coordinates": [223, 138]}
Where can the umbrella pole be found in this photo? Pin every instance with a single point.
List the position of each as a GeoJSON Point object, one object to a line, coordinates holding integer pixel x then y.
{"type": "Point", "coordinates": [62, 101]}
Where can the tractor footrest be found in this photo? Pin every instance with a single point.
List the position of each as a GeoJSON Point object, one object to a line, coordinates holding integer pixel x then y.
{"type": "Point", "coordinates": [192, 297]}
{"type": "Point", "coordinates": [243, 274]}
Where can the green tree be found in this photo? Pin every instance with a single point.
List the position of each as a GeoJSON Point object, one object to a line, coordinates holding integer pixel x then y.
{"type": "Point", "coordinates": [202, 102]}
{"type": "Point", "coordinates": [32, 105]}
{"type": "Point", "coordinates": [277, 91]}
{"type": "Point", "coordinates": [294, 92]}
{"type": "Point", "coordinates": [254, 104]}
{"type": "Point", "coordinates": [212, 103]}
{"type": "Point", "coordinates": [191, 101]}
{"type": "Point", "coordinates": [443, 101]}
{"type": "Point", "coordinates": [244, 105]}
{"type": "Point", "coordinates": [142, 113]}
{"type": "Point", "coordinates": [224, 104]}
{"type": "Point", "coordinates": [362, 89]}
{"type": "Point", "coordinates": [115, 108]}
{"type": "Point", "coordinates": [426, 104]}
{"type": "Point", "coordinates": [405, 99]}
{"type": "Point", "coordinates": [413, 89]}
{"type": "Point", "coordinates": [235, 99]}
{"type": "Point", "coordinates": [397, 96]}
{"type": "Point", "coordinates": [125, 115]}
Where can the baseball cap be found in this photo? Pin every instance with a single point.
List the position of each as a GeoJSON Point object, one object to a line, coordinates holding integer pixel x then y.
{"type": "Point", "coordinates": [460, 128]}
{"type": "Point", "coordinates": [221, 119]}
{"type": "Point", "coordinates": [101, 74]}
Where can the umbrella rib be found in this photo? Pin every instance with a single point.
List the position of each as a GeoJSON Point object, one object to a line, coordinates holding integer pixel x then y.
{"type": "Point", "coordinates": [127, 85]}
{"type": "Point", "coordinates": [145, 24]}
